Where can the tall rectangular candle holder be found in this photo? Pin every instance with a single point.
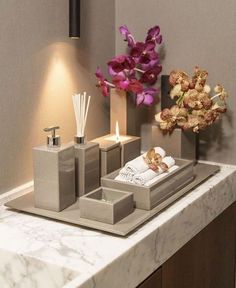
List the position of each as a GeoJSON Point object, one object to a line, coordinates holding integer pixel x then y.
{"type": "Point", "coordinates": [130, 146]}
{"type": "Point", "coordinates": [110, 155]}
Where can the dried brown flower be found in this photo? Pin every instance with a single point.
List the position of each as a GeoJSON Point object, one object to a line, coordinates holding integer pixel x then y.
{"type": "Point", "coordinates": [199, 79]}
{"type": "Point", "coordinates": [153, 160]}
{"type": "Point", "coordinates": [219, 89]}
{"type": "Point", "coordinates": [169, 118]}
{"type": "Point", "coordinates": [179, 77]}
{"type": "Point", "coordinates": [195, 108]}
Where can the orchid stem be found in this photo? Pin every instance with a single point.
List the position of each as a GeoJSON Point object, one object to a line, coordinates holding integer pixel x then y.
{"type": "Point", "coordinates": [215, 96]}
{"type": "Point", "coordinates": [110, 84]}
{"type": "Point", "coordinates": [180, 100]}
{"type": "Point", "coordinates": [139, 70]}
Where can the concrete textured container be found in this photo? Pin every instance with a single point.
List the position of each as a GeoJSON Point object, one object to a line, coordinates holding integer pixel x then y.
{"type": "Point", "coordinates": [106, 205]}
{"type": "Point", "coordinates": [130, 146]}
{"type": "Point", "coordinates": [178, 144]}
{"type": "Point", "coordinates": [54, 177]}
{"type": "Point", "coordinates": [130, 149]}
{"type": "Point", "coordinates": [110, 155]}
{"type": "Point", "coordinates": [148, 197]}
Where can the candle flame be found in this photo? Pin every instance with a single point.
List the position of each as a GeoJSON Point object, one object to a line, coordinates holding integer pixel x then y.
{"type": "Point", "coordinates": [117, 131]}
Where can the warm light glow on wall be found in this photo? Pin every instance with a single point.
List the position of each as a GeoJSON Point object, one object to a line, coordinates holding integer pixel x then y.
{"type": "Point", "coordinates": [54, 101]}
{"type": "Point", "coordinates": [58, 77]}
{"type": "Point", "coordinates": [58, 84]}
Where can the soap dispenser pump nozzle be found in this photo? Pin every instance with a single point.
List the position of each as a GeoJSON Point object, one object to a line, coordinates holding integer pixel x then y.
{"type": "Point", "coordinates": [53, 140]}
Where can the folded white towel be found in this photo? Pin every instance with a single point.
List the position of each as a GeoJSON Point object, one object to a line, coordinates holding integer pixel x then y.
{"type": "Point", "coordinates": [169, 161]}
{"type": "Point", "coordinates": [148, 175]}
{"type": "Point", "coordinates": [138, 165]}
{"type": "Point", "coordinates": [126, 175]}
{"type": "Point", "coordinates": [160, 176]}
{"type": "Point", "coordinates": [142, 178]}
{"type": "Point", "coordinates": [121, 178]}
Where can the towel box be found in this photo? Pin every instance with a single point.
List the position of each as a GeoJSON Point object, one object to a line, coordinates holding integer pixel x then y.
{"type": "Point", "coordinates": [148, 197]}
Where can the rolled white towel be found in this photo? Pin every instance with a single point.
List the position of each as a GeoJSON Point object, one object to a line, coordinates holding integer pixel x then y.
{"type": "Point", "coordinates": [149, 175]}
{"type": "Point", "coordinates": [160, 176]}
{"type": "Point", "coordinates": [169, 161]}
{"type": "Point", "coordinates": [142, 178]}
{"type": "Point", "coordinates": [122, 179]}
{"type": "Point", "coordinates": [127, 175]}
{"type": "Point", "coordinates": [135, 166]}
{"type": "Point", "coordinates": [160, 151]}
{"type": "Point", "coordinates": [138, 165]}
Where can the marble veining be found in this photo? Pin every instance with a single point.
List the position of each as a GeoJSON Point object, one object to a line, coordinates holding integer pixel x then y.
{"type": "Point", "coordinates": [43, 253]}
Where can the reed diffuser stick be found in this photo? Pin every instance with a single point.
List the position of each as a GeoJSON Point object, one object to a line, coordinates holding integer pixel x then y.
{"type": "Point", "coordinates": [86, 114]}
{"type": "Point", "coordinates": [81, 103]}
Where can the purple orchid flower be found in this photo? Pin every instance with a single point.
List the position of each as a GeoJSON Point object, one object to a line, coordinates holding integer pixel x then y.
{"type": "Point", "coordinates": [127, 35]}
{"type": "Point", "coordinates": [146, 97]}
{"type": "Point", "coordinates": [102, 83]}
{"type": "Point", "coordinates": [135, 86]}
{"type": "Point", "coordinates": [120, 81]}
{"type": "Point", "coordinates": [124, 83]}
{"type": "Point", "coordinates": [151, 64]}
{"type": "Point", "coordinates": [150, 76]}
{"type": "Point", "coordinates": [120, 63]}
{"type": "Point", "coordinates": [142, 60]}
{"type": "Point", "coordinates": [144, 52]}
{"type": "Point", "coordinates": [153, 35]}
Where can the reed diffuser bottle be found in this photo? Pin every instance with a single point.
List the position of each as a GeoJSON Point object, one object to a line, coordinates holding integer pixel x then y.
{"type": "Point", "coordinates": [86, 153]}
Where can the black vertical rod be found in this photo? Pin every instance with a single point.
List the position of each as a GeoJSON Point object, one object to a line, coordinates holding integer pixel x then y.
{"type": "Point", "coordinates": [74, 18]}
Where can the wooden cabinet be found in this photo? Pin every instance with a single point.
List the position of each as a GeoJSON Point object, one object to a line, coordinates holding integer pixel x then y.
{"type": "Point", "coordinates": [153, 281]}
{"type": "Point", "coordinates": [207, 261]}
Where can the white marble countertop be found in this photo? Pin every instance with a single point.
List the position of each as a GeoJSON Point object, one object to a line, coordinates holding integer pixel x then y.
{"type": "Point", "coordinates": [37, 252]}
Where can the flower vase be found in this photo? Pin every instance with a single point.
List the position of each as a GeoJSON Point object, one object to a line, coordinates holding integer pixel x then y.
{"type": "Point", "coordinates": [124, 110]}
{"type": "Point", "coordinates": [178, 143]}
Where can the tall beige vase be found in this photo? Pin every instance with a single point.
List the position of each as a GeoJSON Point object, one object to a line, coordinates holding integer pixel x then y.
{"type": "Point", "coordinates": [123, 109]}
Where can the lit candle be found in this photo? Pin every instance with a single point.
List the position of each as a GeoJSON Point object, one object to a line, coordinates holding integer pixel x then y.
{"type": "Point", "coordinates": [130, 145]}
{"type": "Point", "coordinates": [117, 137]}
{"type": "Point", "coordinates": [116, 150]}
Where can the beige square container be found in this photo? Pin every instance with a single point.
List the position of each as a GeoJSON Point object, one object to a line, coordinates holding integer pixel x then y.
{"type": "Point", "coordinates": [106, 205]}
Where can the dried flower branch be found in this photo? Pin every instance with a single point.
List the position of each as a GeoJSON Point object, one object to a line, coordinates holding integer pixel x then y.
{"type": "Point", "coordinates": [195, 108]}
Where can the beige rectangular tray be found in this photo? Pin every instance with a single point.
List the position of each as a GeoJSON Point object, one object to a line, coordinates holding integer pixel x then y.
{"type": "Point", "coordinates": [125, 226]}
{"type": "Point", "coordinates": [148, 197]}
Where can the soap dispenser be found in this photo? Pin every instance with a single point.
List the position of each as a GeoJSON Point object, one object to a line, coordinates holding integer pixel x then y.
{"type": "Point", "coordinates": [54, 173]}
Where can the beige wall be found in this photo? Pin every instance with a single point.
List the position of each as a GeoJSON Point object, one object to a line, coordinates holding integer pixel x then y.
{"type": "Point", "coordinates": [195, 33]}
{"type": "Point", "coordinates": [40, 68]}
